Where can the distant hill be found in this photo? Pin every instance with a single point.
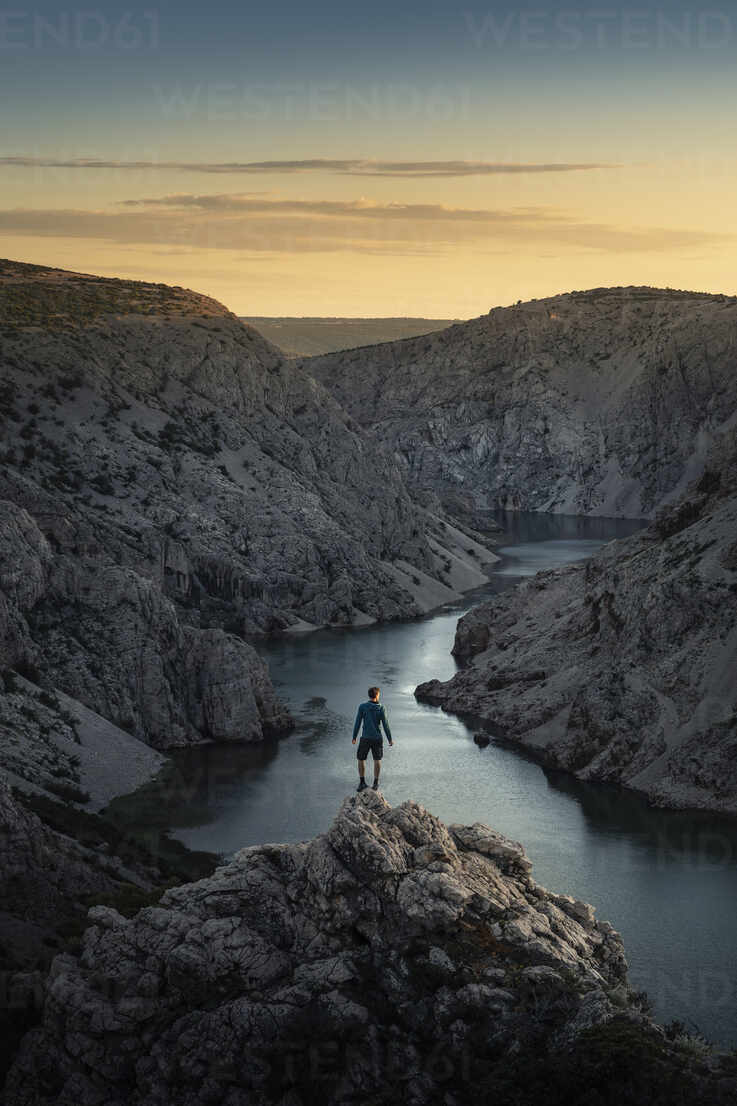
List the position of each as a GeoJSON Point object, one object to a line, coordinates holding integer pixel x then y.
{"type": "Point", "coordinates": [309, 337]}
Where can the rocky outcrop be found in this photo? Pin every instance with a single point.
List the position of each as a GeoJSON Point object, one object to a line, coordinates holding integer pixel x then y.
{"type": "Point", "coordinates": [342, 969]}
{"type": "Point", "coordinates": [121, 649]}
{"type": "Point", "coordinates": [599, 402]}
{"type": "Point", "coordinates": [113, 641]}
{"type": "Point", "coordinates": [622, 669]}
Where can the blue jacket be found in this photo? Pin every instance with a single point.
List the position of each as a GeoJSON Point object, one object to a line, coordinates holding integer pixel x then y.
{"type": "Point", "coordinates": [373, 717]}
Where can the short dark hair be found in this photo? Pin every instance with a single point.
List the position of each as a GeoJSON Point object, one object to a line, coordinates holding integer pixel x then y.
{"type": "Point", "coordinates": [373, 692]}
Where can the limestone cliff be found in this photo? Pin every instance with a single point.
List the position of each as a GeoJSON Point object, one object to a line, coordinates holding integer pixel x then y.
{"type": "Point", "coordinates": [391, 958]}
{"type": "Point", "coordinates": [169, 483]}
{"type": "Point", "coordinates": [624, 668]}
{"type": "Point", "coordinates": [112, 640]}
{"type": "Point", "coordinates": [599, 402]}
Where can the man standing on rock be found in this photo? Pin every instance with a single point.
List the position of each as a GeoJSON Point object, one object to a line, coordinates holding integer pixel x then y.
{"type": "Point", "coordinates": [373, 716]}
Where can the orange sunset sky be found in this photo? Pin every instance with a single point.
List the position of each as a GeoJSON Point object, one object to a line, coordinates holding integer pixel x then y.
{"type": "Point", "coordinates": [406, 159]}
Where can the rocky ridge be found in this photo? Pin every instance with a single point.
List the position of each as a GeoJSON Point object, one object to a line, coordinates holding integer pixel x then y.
{"type": "Point", "coordinates": [598, 402]}
{"type": "Point", "coordinates": [390, 956]}
{"type": "Point", "coordinates": [622, 669]}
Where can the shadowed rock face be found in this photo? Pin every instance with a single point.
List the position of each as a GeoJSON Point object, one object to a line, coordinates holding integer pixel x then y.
{"type": "Point", "coordinates": [601, 402]}
{"type": "Point", "coordinates": [44, 875]}
{"type": "Point", "coordinates": [112, 640]}
{"type": "Point", "coordinates": [370, 947]}
{"type": "Point", "coordinates": [624, 668]}
{"type": "Point", "coordinates": [45, 878]}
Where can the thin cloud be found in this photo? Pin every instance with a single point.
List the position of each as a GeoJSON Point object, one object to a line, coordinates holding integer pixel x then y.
{"type": "Point", "coordinates": [361, 226]}
{"type": "Point", "coordinates": [364, 167]}
{"type": "Point", "coordinates": [243, 203]}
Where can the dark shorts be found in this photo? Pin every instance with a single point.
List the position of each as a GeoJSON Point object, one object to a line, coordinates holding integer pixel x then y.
{"type": "Point", "coordinates": [373, 744]}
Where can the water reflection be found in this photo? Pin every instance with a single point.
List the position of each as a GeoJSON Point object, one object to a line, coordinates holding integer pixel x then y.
{"type": "Point", "coordinates": [540, 541]}
{"type": "Point", "coordinates": [527, 558]}
{"type": "Point", "coordinates": [695, 839]}
{"type": "Point", "coordinates": [526, 526]}
{"type": "Point", "coordinates": [195, 785]}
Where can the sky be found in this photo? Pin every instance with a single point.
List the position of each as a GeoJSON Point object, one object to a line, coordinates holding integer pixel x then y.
{"type": "Point", "coordinates": [427, 159]}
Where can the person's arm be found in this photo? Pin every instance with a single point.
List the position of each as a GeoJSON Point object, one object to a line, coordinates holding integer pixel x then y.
{"type": "Point", "coordinates": [357, 724]}
{"type": "Point", "coordinates": [385, 724]}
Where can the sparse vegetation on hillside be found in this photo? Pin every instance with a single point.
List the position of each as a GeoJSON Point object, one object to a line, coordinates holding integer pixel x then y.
{"type": "Point", "coordinates": [33, 296]}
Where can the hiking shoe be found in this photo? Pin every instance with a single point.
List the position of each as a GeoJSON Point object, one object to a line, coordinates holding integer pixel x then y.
{"type": "Point", "coordinates": [375, 785]}
{"type": "Point", "coordinates": [362, 786]}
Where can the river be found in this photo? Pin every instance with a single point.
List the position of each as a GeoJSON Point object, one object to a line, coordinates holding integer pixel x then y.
{"type": "Point", "coordinates": [666, 880]}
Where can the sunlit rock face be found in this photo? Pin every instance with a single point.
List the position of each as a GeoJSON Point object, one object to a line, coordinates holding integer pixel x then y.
{"type": "Point", "coordinates": [622, 669]}
{"type": "Point", "coordinates": [602, 402]}
{"type": "Point", "coordinates": [367, 951]}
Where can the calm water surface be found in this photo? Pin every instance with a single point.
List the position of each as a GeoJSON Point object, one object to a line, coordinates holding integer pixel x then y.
{"type": "Point", "coordinates": [666, 880]}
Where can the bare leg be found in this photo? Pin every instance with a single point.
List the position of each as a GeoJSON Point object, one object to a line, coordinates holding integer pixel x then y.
{"type": "Point", "coordinates": [377, 769]}
{"type": "Point", "coordinates": [362, 768]}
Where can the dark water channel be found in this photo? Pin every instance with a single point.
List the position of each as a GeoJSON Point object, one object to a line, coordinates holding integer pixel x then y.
{"type": "Point", "coordinates": [666, 880]}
